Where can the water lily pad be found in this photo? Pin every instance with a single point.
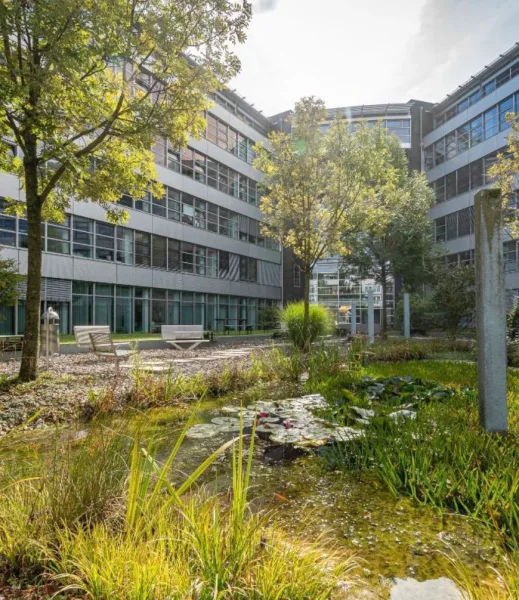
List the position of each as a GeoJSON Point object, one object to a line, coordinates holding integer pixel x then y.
{"type": "Point", "coordinates": [263, 420]}
{"type": "Point", "coordinates": [345, 434]}
{"type": "Point", "coordinates": [204, 430]}
{"type": "Point", "coordinates": [286, 436]}
{"type": "Point", "coordinates": [225, 421]}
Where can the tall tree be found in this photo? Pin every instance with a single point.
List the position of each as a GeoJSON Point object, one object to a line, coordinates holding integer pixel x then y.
{"type": "Point", "coordinates": [320, 184]}
{"type": "Point", "coordinates": [400, 243]}
{"type": "Point", "coordinates": [88, 86]}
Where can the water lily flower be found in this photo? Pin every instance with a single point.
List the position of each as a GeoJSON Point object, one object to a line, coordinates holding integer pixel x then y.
{"type": "Point", "coordinates": [287, 425]}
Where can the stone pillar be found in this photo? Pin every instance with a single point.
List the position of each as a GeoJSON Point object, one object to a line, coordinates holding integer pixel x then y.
{"type": "Point", "coordinates": [371, 317]}
{"type": "Point", "coordinates": [407, 316]}
{"type": "Point", "coordinates": [353, 318]}
{"type": "Point", "coordinates": [491, 311]}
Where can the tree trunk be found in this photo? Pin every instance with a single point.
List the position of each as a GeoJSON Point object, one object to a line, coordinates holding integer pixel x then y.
{"type": "Point", "coordinates": [383, 318]}
{"type": "Point", "coordinates": [29, 364]}
{"type": "Point", "coordinates": [306, 319]}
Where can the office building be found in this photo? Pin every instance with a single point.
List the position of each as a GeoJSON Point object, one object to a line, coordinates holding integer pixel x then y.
{"type": "Point", "coordinates": [195, 255]}
{"type": "Point", "coordinates": [468, 130]}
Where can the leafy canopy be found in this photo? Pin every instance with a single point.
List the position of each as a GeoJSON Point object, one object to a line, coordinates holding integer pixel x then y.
{"type": "Point", "coordinates": [88, 85]}
{"type": "Point", "coordinates": [319, 184]}
{"type": "Point", "coordinates": [9, 280]}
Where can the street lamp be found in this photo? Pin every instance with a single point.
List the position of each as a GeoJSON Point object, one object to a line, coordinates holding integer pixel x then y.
{"type": "Point", "coordinates": [49, 317]}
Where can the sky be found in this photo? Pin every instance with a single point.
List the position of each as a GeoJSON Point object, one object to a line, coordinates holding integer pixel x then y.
{"type": "Point", "coordinates": [369, 51]}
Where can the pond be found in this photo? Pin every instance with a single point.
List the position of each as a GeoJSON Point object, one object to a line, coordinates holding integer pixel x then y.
{"type": "Point", "coordinates": [402, 547]}
{"type": "Point", "coordinates": [398, 542]}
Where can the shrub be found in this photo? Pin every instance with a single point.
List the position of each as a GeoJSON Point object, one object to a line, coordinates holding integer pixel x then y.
{"type": "Point", "coordinates": [422, 314]}
{"type": "Point", "coordinates": [321, 322]}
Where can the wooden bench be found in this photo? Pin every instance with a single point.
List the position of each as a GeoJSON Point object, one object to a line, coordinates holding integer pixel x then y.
{"type": "Point", "coordinates": [102, 345]}
{"type": "Point", "coordinates": [193, 335]}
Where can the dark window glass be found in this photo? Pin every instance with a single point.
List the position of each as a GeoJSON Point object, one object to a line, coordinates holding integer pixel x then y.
{"type": "Point", "coordinates": [505, 108]}
{"type": "Point", "coordinates": [452, 226]}
{"type": "Point", "coordinates": [142, 249]}
{"type": "Point", "coordinates": [476, 130]}
{"type": "Point", "coordinates": [159, 205]}
{"type": "Point", "coordinates": [144, 204]}
{"type": "Point", "coordinates": [451, 145]}
{"type": "Point", "coordinates": [212, 218]}
{"type": "Point", "coordinates": [451, 185]}
{"type": "Point", "coordinates": [174, 255]}
{"type": "Point", "coordinates": [463, 138]}
{"type": "Point", "coordinates": [463, 180]}
{"type": "Point", "coordinates": [105, 241]}
{"type": "Point", "coordinates": [82, 237]}
{"type": "Point", "coordinates": [173, 160]}
{"type": "Point", "coordinates": [187, 257]}
{"type": "Point", "coordinates": [173, 204]}
{"type": "Point", "coordinates": [440, 229]}
{"type": "Point", "coordinates": [223, 265]}
{"type": "Point", "coordinates": [124, 252]}
{"type": "Point", "coordinates": [200, 167]}
{"type": "Point", "coordinates": [212, 173]}
{"type": "Point", "coordinates": [463, 222]}
{"type": "Point", "coordinates": [489, 87]}
{"type": "Point", "coordinates": [439, 152]}
{"type": "Point", "coordinates": [188, 162]}
{"type": "Point", "coordinates": [159, 250]}
{"type": "Point", "coordinates": [491, 125]}
{"type": "Point", "coordinates": [188, 209]}
{"type": "Point", "coordinates": [476, 174]}
{"type": "Point", "coordinates": [439, 189]}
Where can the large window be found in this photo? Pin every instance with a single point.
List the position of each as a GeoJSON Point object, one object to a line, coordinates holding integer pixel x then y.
{"type": "Point", "coordinates": [142, 249]}
{"type": "Point", "coordinates": [470, 134]}
{"type": "Point", "coordinates": [82, 237]}
{"type": "Point", "coordinates": [248, 269]}
{"type": "Point", "coordinates": [58, 236]}
{"type": "Point", "coordinates": [105, 241]}
{"type": "Point", "coordinates": [124, 245]}
{"type": "Point", "coordinates": [160, 252]}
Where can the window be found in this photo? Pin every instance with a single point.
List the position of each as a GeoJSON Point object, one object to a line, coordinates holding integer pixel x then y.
{"type": "Point", "coordinates": [505, 108]}
{"type": "Point", "coordinates": [58, 237]}
{"type": "Point", "coordinates": [440, 229]}
{"type": "Point", "coordinates": [463, 138]}
{"type": "Point", "coordinates": [187, 257]}
{"type": "Point", "coordinates": [464, 225]}
{"type": "Point", "coordinates": [439, 190]}
{"type": "Point", "coordinates": [200, 254]}
{"type": "Point", "coordinates": [124, 252]}
{"type": "Point", "coordinates": [476, 130]}
{"type": "Point", "coordinates": [248, 269]}
{"type": "Point", "coordinates": [212, 173]}
{"type": "Point", "coordinates": [126, 200]}
{"type": "Point", "coordinates": [475, 97]}
{"type": "Point", "coordinates": [297, 276]}
{"type": "Point", "coordinates": [502, 78]}
{"type": "Point", "coordinates": [451, 145]}
{"type": "Point", "coordinates": [159, 206]}
{"type": "Point", "coordinates": [463, 180]}
{"type": "Point", "coordinates": [7, 227]}
{"type": "Point", "coordinates": [476, 174]}
{"type": "Point", "coordinates": [451, 185]}
{"type": "Point", "coordinates": [490, 118]}
{"type": "Point", "coordinates": [510, 256]}
{"type": "Point", "coordinates": [105, 241]}
{"type": "Point", "coordinates": [22, 231]}
{"type": "Point", "coordinates": [212, 218]}
{"type": "Point", "coordinates": [428, 158]}
{"type": "Point", "coordinates": [224, 222]}
{"type": "Point", "coordinates": [452, 226]}
{"type": "Point", "coordinates": [200, 164]}
{"type": "Point", "coordinates": [142, 249]}
{"type": "Point", "coordinates": [439, 152]}
{"type": "Point", "coordinates": [223, 178]}
{"type": "Point", "coordinates": [159, 252]}
{"type": "Point", "coordinates": [159, 150]}
{"type": "Point", "coordinates": [144, 204]}
{"type": "Point", "coordinates": [222, 135]}
{"type": "Point", "coordinates": [212, 128]}
{"type": "Point", "coordinates": [252, 192]}
{"type": "Point", "coordinates": [223, 265]}
{"type": "Point", "coordinates": [489, 87]}
{"type": "Point", "coordinates": [188, 209]}
{"type": "Point", "coordinates": [173, 204]}
{"type": "Point", "coordinates": [82, 237]}
{"type": "Point", "coordinates": [212, 263]}
{"type": "Point", "coordinates": [174, 263]}
{"type": "Point", "coordinates": [233, 142]}
{"type": "Point", "coordinates": [173, 160]}
{"type": "Point", "coordinates": [200, 212]}
{"type": "Point", "coordinates": [188, 157]}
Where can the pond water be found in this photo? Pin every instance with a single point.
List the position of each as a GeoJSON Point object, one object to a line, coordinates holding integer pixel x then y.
{"type": "Point", "coordinates": [402, 547]}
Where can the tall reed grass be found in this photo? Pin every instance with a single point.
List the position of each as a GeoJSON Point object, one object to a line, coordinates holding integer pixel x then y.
{"type": "Point", "coordinates": [136, 535]}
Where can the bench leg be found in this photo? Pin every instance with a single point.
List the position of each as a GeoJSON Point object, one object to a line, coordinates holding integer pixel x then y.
{"type": "Point", "coordinates": [195, 345]}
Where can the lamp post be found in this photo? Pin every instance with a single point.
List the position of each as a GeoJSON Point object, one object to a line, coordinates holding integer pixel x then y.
{"type": "Point", "coordinates": [49, 317]}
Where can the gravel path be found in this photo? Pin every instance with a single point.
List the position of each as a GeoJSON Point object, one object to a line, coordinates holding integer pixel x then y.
{"type": "Point", "coordinates": [66, 394]}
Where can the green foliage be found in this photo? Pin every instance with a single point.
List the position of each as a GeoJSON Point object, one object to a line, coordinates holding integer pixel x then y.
{"type": "Point", "coordinates": [442, 457]}
{"type": "Point", "coordinates": [156, 539]}
{"type": "Point", "coordinates": [320, 322]}
{"type": "Point", "coordinates": [423, 316]}
{"type": "Point", "coordinates": [454, 296]}
{"type": "Point", "coordinates": [89, 90]}
{"type": "Point", "coordinates": [9, 280]}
